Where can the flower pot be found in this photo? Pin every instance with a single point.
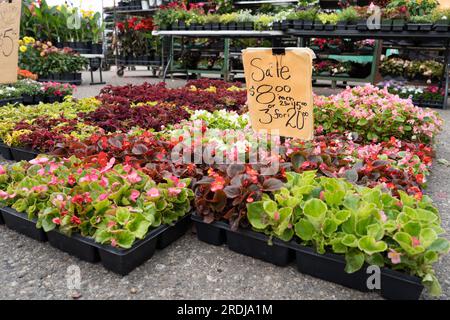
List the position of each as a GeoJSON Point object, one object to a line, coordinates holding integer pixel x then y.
{"type": "Point", "coordinates": [400, 286]}
{"type": "Point", "coordinates": [20, 154]}
{"type": "Point", "coordinates": [207, 26]}
{"type": "Point", "coordinates": [362, 25]}
{"type": "Point", "coordinates": [329, 267]}
{"type": "Point", "coordinates": [441, 26]}
{"type": "Point", "coordinates": [300, 24]}
{"type": "Point", "coordinates": [5, 152]}
{"type": "Point", "coordinates": [351, 26]}
{"type": "Point", "coordinates": [412, 26]}
{"type": "Point", "coordinates": [213, 233]}
{"type": "Point", "coordinates": [76, 245]}
{"type": "Point", "coordinates": [223, 26]}
{"type": "Point", "coordinates": [10, 101]}
{"type": "Point", "coordinates": [276, 25]}
{"type": "Point", "coordinates": [341, 25]}
{"type": "Point", "coordinates": [27, 99]}
{"type": "Point", "coordinates": [175, 26]}
{"type": "Point", "coordinates": [334, 49]}
{"type": "Point", "coordinates": [19, 222]}
{"type": "Point", "coordinates": [38, 99]}
{"type": "Point", "coordinates": [398, 25]}
{"type": "Point", "coordinates": [51, 99]}
{"type": "Point", "coordinates": [215, 26]}
{"type": "Point", "coordinates": [329, 27]}
{"type": "Point", "coordinates": [425, 27]}
{"type": "Point", "coordinates": [318, 25]}
{"type": "Point", "coordinates": [288, 24]}
{"type": "Point", "coordinates": [174, 232]}
{"type": "Point", "coordinates": [386, 25]}
{"type": "Point", "coordinates": [97, 48]}
{"type": "Point", "coordinates": [248, 26]}
{"type": "Point", "coordinates": [232, 26]}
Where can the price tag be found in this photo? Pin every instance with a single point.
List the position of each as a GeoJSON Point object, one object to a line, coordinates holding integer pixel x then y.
{"type": "Point", "coordinates": [279, 84]}
{"type": "Point", "coordinates": [9, 39]}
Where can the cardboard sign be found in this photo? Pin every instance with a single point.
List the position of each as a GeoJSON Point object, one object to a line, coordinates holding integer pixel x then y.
{"type": "Point", "coordinates": [444, 4]}
{"type": "Point", "coordinates": [9, 39]}
{"type": "Point", "coordinates": [279, 84]}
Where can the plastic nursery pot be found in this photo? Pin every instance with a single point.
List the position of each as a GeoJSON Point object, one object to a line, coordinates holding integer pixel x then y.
{"type": "Point", "coordinates": [300, 24]}
{"type": "Point", "coordinates": [211, 233]}
{"type": "Point", "coordinates": [174, 232]}
{"type": "Point", "coordinates": [441, 26]}
{"type": "Point", "coordinates": [215, 26]}
{"type": "Point", "coordinates": [289, 24]}
{"type": "Point", "coordinates": [351, 26]}
{"type": "Point", "coordinates": [123, 261]}
{"type": "Point", "coordinates": [329, 27]}
{"type": "Point", "coordinates": [223, 26]}
{"type": "Point", "coordinates": [248, 26]}
{"type": "Point", "coordinates": [19, 222]}
{"type": "Point", "coordinates": [232, 26]}
{"type": "Point", "coordinates": [76, 245]}
{"type": "Point", "coordinates": [51, 99]}
{"type": "Point", "coordinates": [1, 218]}
{"type": "Point", "coordinates": [181, 25]}
{"type": "Point", "coordinates": [341, 25]}
{"type": "Point", "coordinates": [400, 286]}
{"type": "Point", "coordinates": [412, 26]}
{"type": "Point", "coordinates": [5, 151]}
{"type": "Point", "coordinates": [361, 25]}
{"type": "Point", "coordinates": [398, 24]}
{"type": "Point", "coordinates": [256, 245]}
{"type": "Point", "coordinates": [27, 99]}
{"type": "Point", "coordinates": [425, 27]}
{"type": "Point", "coordinates": [20, 154]}
{"type": "Point", "coordinates": [277, 26]}
{"type": "Point", "coordinates": [386, 25]}
{"type": "Point", "coordinates": [329, 267]}
{"type": "Point", "coordinates": [318, 25]}
{"type": "Point", "coordinates": [97, 48]}
{"type": "Point", "coordinates": [175, 26]}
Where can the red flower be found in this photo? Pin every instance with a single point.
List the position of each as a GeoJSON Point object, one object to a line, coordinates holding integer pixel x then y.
{"type": "Point", "coordinates": [75, 220]}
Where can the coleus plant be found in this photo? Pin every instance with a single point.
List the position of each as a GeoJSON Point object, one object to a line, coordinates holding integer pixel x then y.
{"type": "Point", "coordinates": [114, 204]}
{"type": "Point", "coordinates": [364, 224]}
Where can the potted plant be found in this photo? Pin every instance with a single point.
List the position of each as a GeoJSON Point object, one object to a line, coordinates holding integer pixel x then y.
{"type": "Point", "coordinates": [347, 19]}
{"type": "Point", "coordinates": [440, 19]}
{"type": "Point", "coordinates": [263, 22]}
{"type": "Point", "coordinates": [398, 15]}
{"type": "Point", "coordinates": [244, 20]}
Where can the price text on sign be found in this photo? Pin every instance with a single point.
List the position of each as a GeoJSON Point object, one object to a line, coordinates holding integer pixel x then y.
{"type": "Point", "coordinates": [280, 91]}
{"type": "Point", "coordinates": [9, 40]}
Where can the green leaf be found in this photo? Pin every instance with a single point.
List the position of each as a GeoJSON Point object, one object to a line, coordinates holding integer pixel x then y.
{"type": "Point", "coordinates": [375, 259]}
{"type": "Point", "coordinates": [440, 245]}
{"type": "Point", "coordinates": [257, 215]}
{"type": "Point", "coordinates": [427, 237]}
{"type": "Point", "coordinates": [350, 240]}
{"type": "Point", "coordinates": [47, 224]}
{"type": "Point", "coordinates": [412, 228]}
{"type": "Point", "coordinates": [270, 207]}
{"type": "Point", "coordinates": [370, 246]}
{"type": "Point", "coordinates": [376, 231]}
{"type": "Point", "coordinates": [304, 229]}
{"type": "Point", "coordinates": [102, 236]}
{"type": "Point", "coordinates": [123, 215]}
{"type": "Point", "coordinates": [355, 260]}
{"type": "Point", "coordinates": [315, 210]}
{"type": "Point", "coordinates": [139, 226]}
{"type": "Point", "coordinates": [125, 239]}
{"type": "Point", "coordinates": [329, 227]}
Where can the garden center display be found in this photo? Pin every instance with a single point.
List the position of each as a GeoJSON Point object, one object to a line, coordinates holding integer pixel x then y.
{"type": "Point", "coordinates": [160, 182]}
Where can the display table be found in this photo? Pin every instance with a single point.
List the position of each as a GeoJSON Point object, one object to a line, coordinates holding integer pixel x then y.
{"type": "Point", "coordinates": [95, 63]}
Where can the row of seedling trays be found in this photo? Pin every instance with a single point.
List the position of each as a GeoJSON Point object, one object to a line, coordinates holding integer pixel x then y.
{"type": "Point", "coordinates": [329, 267]}
{"type": "Point", "coordinates": [28, 100]}
{"type": "Point", "coordinates": [120, 261]}
{"type": "Point", "coordinates": [16, 154]}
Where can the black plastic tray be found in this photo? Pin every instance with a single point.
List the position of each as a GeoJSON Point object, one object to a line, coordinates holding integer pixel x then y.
{"type": "Point", "coordinates": [395, 285]}
{"type": "Point", "coordinates": [1, 218]}
{"type": "Point", "coordinates": [20, 154]}
{"type": "Point", "coordinates": [245, 242]}
{"type": "Point", "coordinates": [5, 151]}
{"type": "Point", "coordinates": [121, 261]}
{"type": "Point", "coordinates": [76, 245]}
{"type": "Point", "coordinates": [19, 222]}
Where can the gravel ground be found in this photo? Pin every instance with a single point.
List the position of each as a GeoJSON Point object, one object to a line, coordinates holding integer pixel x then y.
{"type": "Point", "coordinates": [188, 269]}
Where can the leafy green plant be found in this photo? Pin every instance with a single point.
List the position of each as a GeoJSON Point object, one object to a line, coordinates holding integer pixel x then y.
{"type": "Point", "coordinates": [364, 224]}
{"type": "Point", "coordinates": [263, 22]}
{"type": "Point", "coordinates": [348, 15]}
{"type": "Point", "coordinates": [328, 18]}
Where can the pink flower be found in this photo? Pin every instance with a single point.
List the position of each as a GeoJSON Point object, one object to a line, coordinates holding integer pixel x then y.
{"type": "Point", "coordinates": [111, 224]}
{"type": "Point", "coordinates": [104, 182]}
{"type": "Point", "coordinates": [174, 192]}
{"type": "Point", "coordinates": [153, 193]}
{"type": "Point", "coordinates": [41, 171]}
{"type": "Point", "coordinates": [276, 216]}
{"type": "Point", "coordinates": [383, 216]}
{"type": "Point", "coordinates": [39, 189]}
{"type": "Point", "coordinates": [56, 221]}
{"type": "Point", "coordinates": [90, 177]}
{"type": "Point", "coordinates": [114, 242]}
{"type": "Point", "coordinates": [415, 242]}
{"type": "Point", "coordinates": [134, 177]}
{"type": "Point", "coordinates": [181, 185]}
{"type": "Point", "coordinates": [103, 196]}
{"type": "Point", "coordinates": [394, 256]}
{"type": "Point", "coordinates": [109, 165]}
{"type": "Point", "coordinates": [4, 195]}
{"type": "Point", "coordinates": [42, 160]}
{"type": "Point", "coordinates": [134, 195]}
{"type": "Point", "coordinates": [2, 170]}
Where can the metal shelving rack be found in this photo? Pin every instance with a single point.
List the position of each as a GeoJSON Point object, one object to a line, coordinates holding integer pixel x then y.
{"type": "Point", "coordinates": [155, 65]}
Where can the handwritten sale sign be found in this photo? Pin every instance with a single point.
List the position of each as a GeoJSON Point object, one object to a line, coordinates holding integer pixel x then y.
{"type": "Point", "coordinates": [279, 84]}
{"type": "Point", "coordinates": [9, 39]}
